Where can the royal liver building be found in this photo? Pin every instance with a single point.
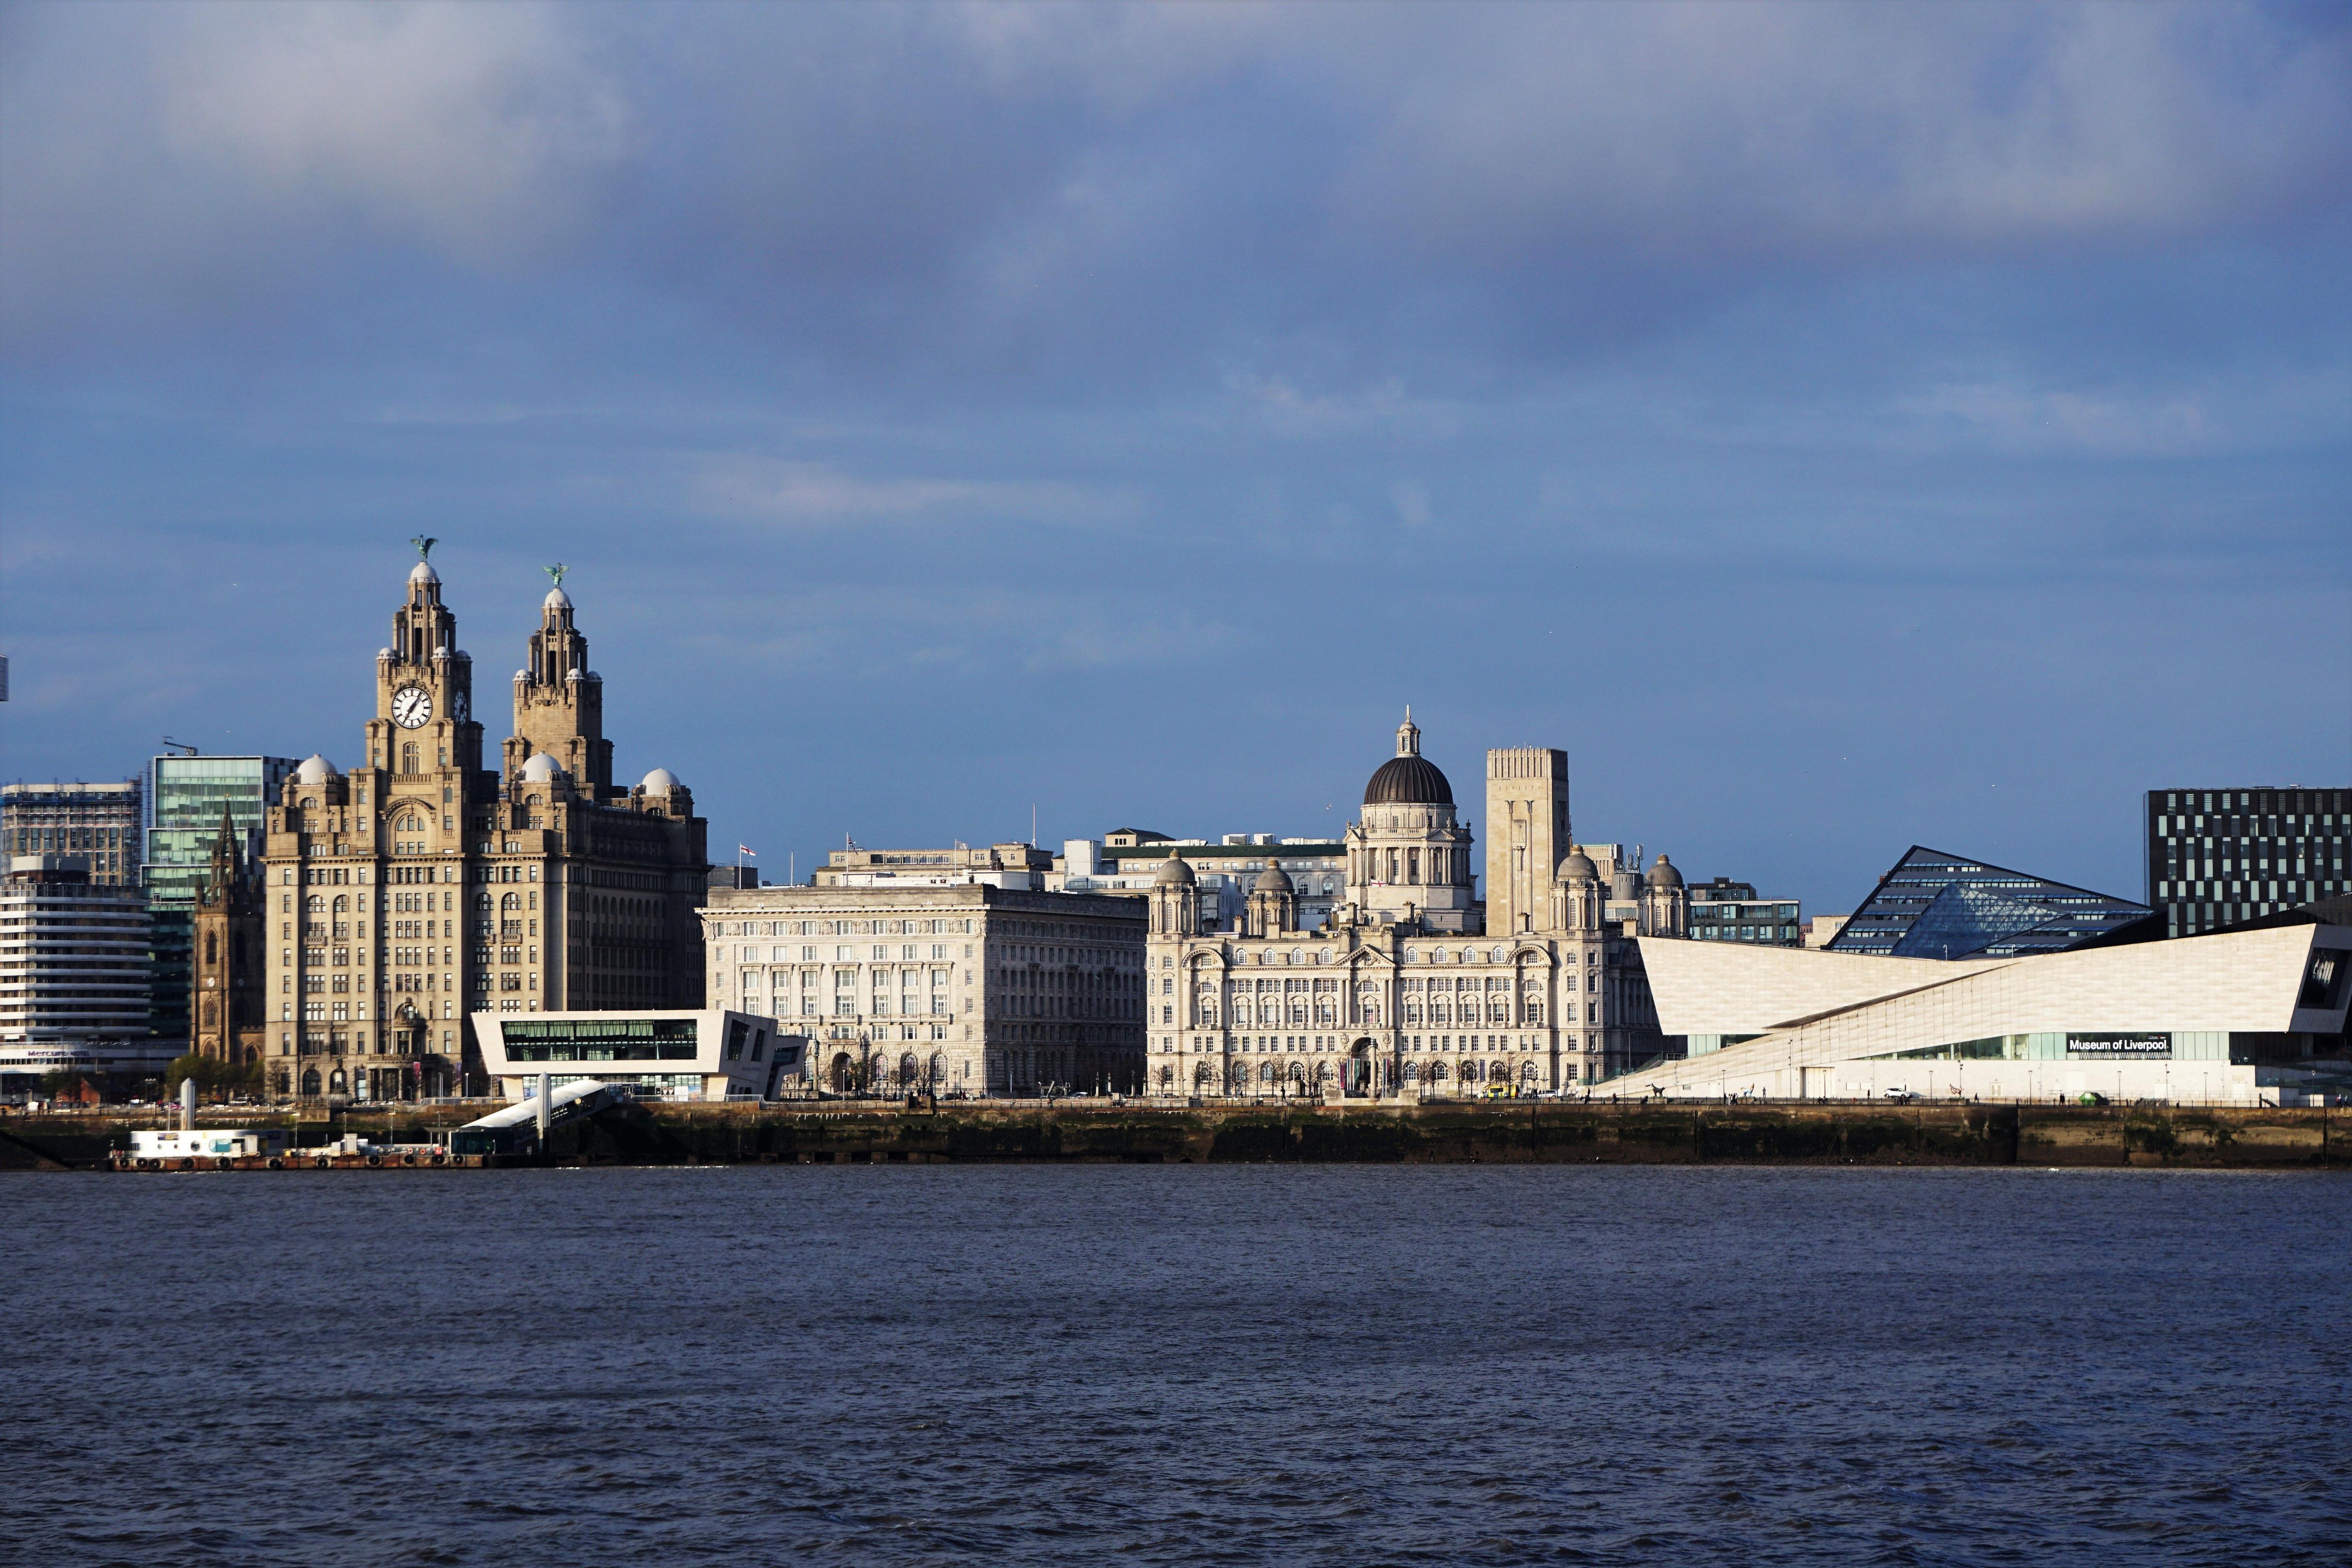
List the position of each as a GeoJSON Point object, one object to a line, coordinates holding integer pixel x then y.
{"type": "Point", "coordinates": [1414, 988]}
{"type": "Point", "coordinates": [420, 887]}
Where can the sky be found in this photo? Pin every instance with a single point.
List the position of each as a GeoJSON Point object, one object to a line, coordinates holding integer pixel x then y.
{"type": "Point", "coordinates": [1838, 427]}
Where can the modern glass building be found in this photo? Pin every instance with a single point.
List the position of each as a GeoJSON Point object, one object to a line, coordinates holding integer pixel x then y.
{"type": "Point", "coordinates": [1936, 905]}
{"type": "Point", "coordinates": [185, 798]}
{"type": "Point", "coordinates": [2216, 856]}
{"type": "Point", "coordinates": [1725, 910]}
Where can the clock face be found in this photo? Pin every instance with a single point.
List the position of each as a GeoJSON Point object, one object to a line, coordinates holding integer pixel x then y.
{"type": "Point", "coordinates": [458, 707]}
{"type": "Point", "coordinates": [412, 706]}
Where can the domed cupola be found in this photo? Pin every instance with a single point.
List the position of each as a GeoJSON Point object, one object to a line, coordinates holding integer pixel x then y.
{"type": "Point", "coordinates": [1270, 908]}
{"type": "Point", "coordinates": [1175, 899]}
{"type": "Point", "coordinates": [1666, 903]}
{"type": "Point", "coordinates": [1577, 867]}
{"type": "Point", "coordinates": [1407, 778]}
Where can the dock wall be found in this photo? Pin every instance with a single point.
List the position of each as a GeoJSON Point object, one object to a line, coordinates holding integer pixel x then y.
{"type": "Point", "coordinates": [1800, 1134]}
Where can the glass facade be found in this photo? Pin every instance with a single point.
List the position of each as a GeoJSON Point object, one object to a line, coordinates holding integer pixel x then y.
{"type": "Point", "coordinates": [2217, 857]}
{"type": "Point", "coordinates": [185, 798]}
{"type": "Point", "coordinates": [2181, 1046]}
{"type": "Point", "coordinates": [1725, 910]}
{"type": "Point", "coordinates": [1934, 905]}
{"type": "Point", "coordinates": [600, 1040]}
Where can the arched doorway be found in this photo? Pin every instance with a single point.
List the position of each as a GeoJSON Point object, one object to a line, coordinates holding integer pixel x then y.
{"type": "Point", "coordinates": [1359, 1068]}
{"type": "Point", "coordinates": [310, 1083]}
{"type": "Point", "coordinates": [845, 1073]}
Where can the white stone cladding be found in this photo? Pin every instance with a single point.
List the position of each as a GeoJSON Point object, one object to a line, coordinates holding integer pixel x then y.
{"type": "Point", "coordinates": [2037, 1026]}
{"type": "Point", "coordinates": [964, 989]}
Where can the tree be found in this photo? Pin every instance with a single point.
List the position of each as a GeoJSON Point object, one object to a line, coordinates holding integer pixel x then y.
{"type": "Point", "coordinates": [214, 1077]}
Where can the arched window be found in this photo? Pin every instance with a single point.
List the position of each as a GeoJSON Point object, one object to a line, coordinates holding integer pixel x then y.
{"type": "Point", "coordinates": [315, 904]}
{"type": "Point", "coordinates": [511, 901]}
{"type": "Point", "coordinates": [211, 947]}
{"type": "Point", "coordinates": [311, 1083]}
{"type": "Point", "coordinates": [408, 756]}
{"type": "Point", "coordinates": [343, 904]}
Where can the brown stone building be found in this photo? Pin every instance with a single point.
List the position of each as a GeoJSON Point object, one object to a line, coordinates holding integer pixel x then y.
{"type": "Point", "coordinates": [420, 887]}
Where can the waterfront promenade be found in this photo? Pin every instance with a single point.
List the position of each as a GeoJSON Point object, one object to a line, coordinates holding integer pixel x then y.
{"type": "Point", "coordinates": [1505, 1132]}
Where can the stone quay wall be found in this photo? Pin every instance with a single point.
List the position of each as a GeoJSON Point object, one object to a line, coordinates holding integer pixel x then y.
{"type": "Point", "coordinates": [1521, 1133]}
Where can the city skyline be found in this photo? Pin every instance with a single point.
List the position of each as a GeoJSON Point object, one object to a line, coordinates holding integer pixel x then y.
{"type": "Point", "coordinates": [1124, 414]}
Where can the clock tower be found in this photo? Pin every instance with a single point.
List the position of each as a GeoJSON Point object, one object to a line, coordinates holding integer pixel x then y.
{"type": "Point", "coordinates": [423, 685]}
{"type": "Point", "coordinates": [418, 890]}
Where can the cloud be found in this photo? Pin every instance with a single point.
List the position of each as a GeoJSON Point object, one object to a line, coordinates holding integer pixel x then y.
{"type": "Point", "coordinates": [816, 494]}
{"type": "Point", "coordinates": [1014, 189]}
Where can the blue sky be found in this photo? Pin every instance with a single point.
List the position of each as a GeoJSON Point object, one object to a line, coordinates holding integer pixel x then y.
{"type": "Point", "coordinates": [1840, 427]}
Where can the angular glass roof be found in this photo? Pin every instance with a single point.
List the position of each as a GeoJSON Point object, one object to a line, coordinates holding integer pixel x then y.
{"type": "Point", "coordinates": [1936, 905]}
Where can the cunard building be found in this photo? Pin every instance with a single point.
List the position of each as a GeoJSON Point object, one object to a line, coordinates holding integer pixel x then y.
{"type": "Point", "coordinates": [420, 886]}
{"type": "Point", "coordinates": [1416, 987]}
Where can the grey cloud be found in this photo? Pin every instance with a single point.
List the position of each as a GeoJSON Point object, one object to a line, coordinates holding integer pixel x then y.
{"type": "Point", "coordinates": [1023, 185]}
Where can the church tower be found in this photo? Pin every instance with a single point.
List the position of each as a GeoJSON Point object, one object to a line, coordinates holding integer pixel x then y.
{"type": "Point", "coordinates": [559, 702]}
{"type": "Point", "coordinates": [225, 980]}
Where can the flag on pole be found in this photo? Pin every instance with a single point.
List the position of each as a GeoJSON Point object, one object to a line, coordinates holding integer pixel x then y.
{"type": "Point", "coordinates": [747, 849]}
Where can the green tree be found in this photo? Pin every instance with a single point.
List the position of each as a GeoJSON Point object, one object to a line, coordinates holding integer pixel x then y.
{"type": "Point", "coordinates": [214, 1078]}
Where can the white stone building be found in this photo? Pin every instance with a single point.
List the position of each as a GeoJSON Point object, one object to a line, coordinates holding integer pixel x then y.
{"type": "Point", "coordinates": [1414, 988]}
{"type": "Point", "coordinates": [961, 990]}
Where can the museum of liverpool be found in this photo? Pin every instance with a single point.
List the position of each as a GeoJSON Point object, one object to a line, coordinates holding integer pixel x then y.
{"type": "Point", "coordinates": [2250, 1015]}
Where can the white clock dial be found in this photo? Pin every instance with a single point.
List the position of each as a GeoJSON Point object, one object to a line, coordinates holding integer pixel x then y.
{"type": "Point", "coordinates": [458, 707]}
{"type": "Point", "coordinates": [411, 707]}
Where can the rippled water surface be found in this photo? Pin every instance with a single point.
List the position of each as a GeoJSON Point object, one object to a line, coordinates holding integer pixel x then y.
{"type": "Point", "coordinates": [1180, 1365]}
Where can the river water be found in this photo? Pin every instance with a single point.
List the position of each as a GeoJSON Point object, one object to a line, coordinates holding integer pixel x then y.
{"type": "Point", "coordinates": [1356, 1364]}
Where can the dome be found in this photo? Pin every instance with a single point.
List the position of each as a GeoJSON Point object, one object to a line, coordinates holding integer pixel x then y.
{"type": "Point", "coordinates": [315, 769]}
{"type": "Point", "coordinates": [661, 780]}
{"type": "Point", "coordinates": [556, 599]}
{"type": "Point", "coordinates": [1664, 875]}
{"type": "Point", "coordinates": [383, 653]}
{"type": "Point", "coordinates": [1408, 781]}
{"type": "Point", "coordinates": [575, 675]}
{"type": "Point", "coordinates": [541, 769]}
{"type": "Point", "coordinates": [423, 572]}
{"type": "Point", "coordinates": [522, 674]}
{"type": "Point", "coordinates": [1577, 867]}
{"type": "Point", "coordinates": [1407, 778]}
{"type": "Point", "coordinates": [1273, 879]}
{"type": "Point", "coordinates": [1174, 873]}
